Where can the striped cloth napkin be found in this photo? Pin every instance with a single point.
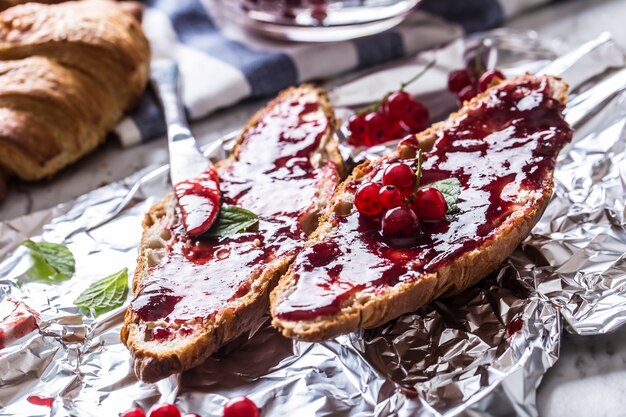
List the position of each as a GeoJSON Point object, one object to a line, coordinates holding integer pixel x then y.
{"type": "Point", "coordinates": [222, 68]}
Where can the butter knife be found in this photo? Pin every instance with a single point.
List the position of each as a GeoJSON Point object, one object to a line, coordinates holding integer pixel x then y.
{"type": "Point", "coordinates": [193, 176]}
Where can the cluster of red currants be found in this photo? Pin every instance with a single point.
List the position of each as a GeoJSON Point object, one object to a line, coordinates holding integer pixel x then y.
{"type": "Point", "coordinates": [465, 84]}
{"type": "Point", "coordinates": [237, 407]}
{"type": "Point", "coordinates": [394, 117]}
{"type": "Point", "coordinates": [400, 201]}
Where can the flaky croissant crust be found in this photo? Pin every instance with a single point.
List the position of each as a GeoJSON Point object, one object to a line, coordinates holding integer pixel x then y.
{"type": "Point", "coordinates": [68, 72]}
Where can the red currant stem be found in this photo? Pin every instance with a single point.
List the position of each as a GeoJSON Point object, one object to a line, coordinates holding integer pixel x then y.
{"type": "Point", "coordinates": [418, 178]}
{"type": "Point", "coordinates": [374, 106]}
{"type": "Point", "coordinates": [418, 75]}
{"type": "Point", "coordinates": [478, 60]}
{"type": "Point", "coordinates": [418, 172]}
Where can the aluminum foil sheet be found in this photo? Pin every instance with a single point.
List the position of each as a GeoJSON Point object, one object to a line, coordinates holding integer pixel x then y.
{"type": "Point", "coordinates": [481, 353]}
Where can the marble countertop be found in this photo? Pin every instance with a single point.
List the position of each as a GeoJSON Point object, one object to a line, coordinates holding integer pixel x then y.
{"type": "Point", "coordinates": [590, 377]}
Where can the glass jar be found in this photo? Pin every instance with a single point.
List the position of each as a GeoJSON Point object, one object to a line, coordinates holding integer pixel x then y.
{"type": "Point", "coordinates": [313, 20]}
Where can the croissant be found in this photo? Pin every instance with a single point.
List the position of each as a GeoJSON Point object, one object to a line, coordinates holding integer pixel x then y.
{"type": "Point", "coordinates": [68, 72]}
{"type": "Point", "coordinates": [5, 4]}
{"type": "Point", "coordinates": [133, 7]}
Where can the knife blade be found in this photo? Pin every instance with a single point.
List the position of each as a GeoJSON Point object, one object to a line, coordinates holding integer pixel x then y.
{"type": "Point", "coordinates": [193, 176]}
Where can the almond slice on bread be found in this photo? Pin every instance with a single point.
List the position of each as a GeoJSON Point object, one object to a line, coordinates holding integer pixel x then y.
{"type": "Point", "coordinates": [501, 146]}
{"type": "Point", "coordinates": [193, 295]}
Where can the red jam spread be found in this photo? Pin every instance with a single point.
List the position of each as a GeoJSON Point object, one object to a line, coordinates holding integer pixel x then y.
{"type": "Point", "coordinates": [39, 400]}
{"type": "Point", "coordinates": [275, 178]}
{"type": "Point", "coordinates": [501, 152]}
{"type": "Point", "coordinates": [199, 201]}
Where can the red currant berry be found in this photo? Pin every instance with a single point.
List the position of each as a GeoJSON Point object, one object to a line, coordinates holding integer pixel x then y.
{"type": "Point", "coordinates": [458, 80]}
{"type": "Point", "coordinates": [319, 11]}
{"type": "Point", "coordinates": [376, 124]}
{"type": "Point", "coordinates": [487, 78]}
{"type": "Point", "coordinates": [466, 94]}
{"type": "Point", "coordinates": [429, 204]}
{"type": "Point", "coordinates": [400, 222]}
{"type": "Point", "coordinates": [133, 412]}
{"type": "Point", "coordinates": [241, 407]}
{"type": "Point", "coordinates": [395, 129]}
{"type": "Point", "coordinates": [390, 197]}
{"type": "Point", "coordinates": [417, 119]}
{"type": "Point", "coordinates": [399, 175]}
{"type": "Point", "coordinates": [358, 129]}
{"type": "Point", "coordinates": [164, 410]}
{"type": "Point", "coordinates": [367, 199]}
{"type": "Point", "coordinates": [407, 193]}
{"type": "Point", "coordinates": [402, 106]}
{"type": "Point", "coordinates": [396, 104]}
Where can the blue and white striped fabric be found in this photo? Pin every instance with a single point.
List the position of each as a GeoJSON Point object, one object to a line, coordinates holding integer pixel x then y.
{"type": "Point", "coordinates": [222, 68]}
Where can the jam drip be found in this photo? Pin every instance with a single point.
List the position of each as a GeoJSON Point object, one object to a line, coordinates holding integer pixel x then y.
{"type": "Point", "coordinates": [502, 152]}
{"type": "Point", "coordinates": [273, 177]}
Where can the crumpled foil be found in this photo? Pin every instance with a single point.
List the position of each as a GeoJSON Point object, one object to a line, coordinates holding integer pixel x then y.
{"type": "Point", "coordinates": [481, 353]}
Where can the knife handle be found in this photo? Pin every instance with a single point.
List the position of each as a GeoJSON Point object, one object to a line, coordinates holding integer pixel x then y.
{"type": "Point", "coordinates": [165, 81]}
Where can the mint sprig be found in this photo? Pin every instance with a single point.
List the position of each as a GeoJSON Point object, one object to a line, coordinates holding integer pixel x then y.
{"type": "Point", "coordinates": [52, 262]}
{"type": "Point", "coordinates": [451, 189]}
{"type": "Point", "coordinates": [232, 220]}
{"type": "Point", "coordinates": [106, 294]}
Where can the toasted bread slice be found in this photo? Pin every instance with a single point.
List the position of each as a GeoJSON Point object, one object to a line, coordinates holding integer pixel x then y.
{"type": "Point", "coordinates": [192, 296]}
{"type": "Point", "coordinates": [501, 146]}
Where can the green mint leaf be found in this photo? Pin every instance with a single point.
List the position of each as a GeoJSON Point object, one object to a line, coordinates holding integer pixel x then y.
{"type": "Point", "coordinates": [232, 220]}
{"type": "Point", "coordinates": [451, 189]}
{"type": "Point", "coordinates": [106, 294]}
{"type": "Point", "coordinates": [51, 261]}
